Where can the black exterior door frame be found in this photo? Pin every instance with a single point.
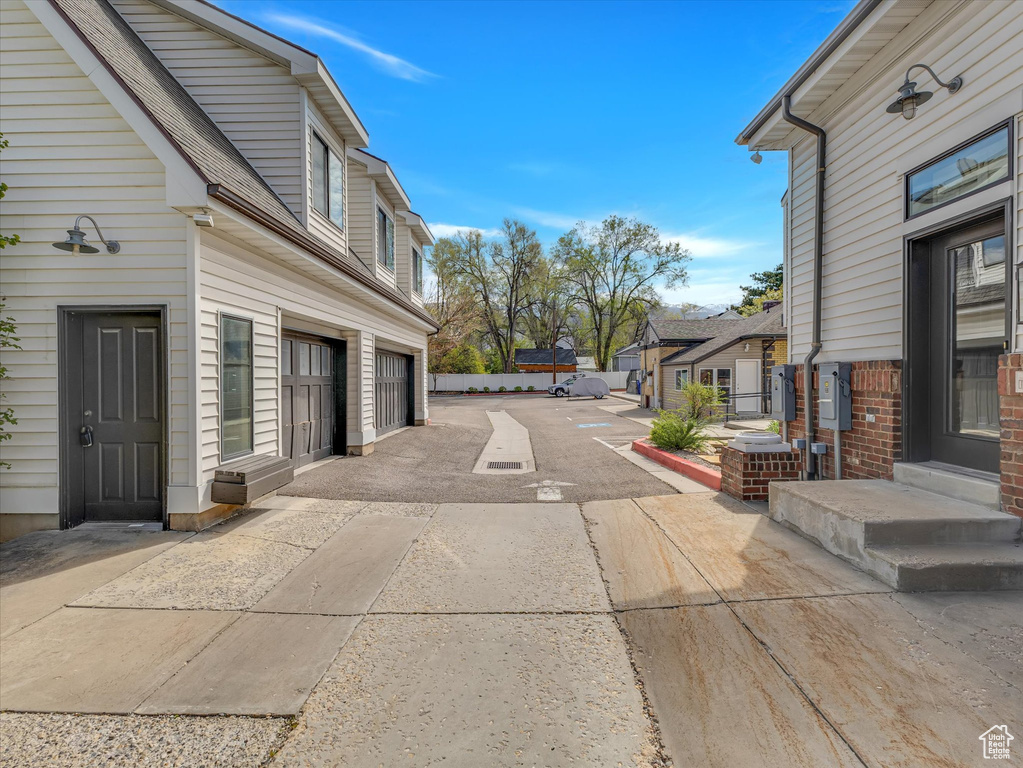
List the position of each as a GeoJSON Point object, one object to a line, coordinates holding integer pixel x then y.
{"type": "Point", "coordinates": [71, 484]}
{"type": "Point", "coordinates": [923, 336]}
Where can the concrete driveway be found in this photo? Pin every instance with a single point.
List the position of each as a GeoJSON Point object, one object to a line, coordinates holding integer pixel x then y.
{"type": "Point", "coordinates": [672, 629]}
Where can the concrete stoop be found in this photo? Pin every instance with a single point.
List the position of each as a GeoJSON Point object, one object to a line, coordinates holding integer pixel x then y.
{"type": "Point", "coordinates": [911, 539]}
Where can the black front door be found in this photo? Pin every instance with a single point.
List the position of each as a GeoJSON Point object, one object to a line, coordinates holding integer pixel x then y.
{"type": "Point", "coordinates": [968, 329]}
{"type": "Point", "coordinates": [113, 388]}
{"type": "Point", "coordinates": [307, 397]}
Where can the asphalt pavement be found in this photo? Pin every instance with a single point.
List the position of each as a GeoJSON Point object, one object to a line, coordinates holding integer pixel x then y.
{"type": "Point", "coordinates": [570, 439]}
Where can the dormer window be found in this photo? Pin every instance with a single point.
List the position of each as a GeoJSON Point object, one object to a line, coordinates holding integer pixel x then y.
{"type": "Point", "coordinates": [328, 182]}
{"type": "Point", "coordinates": [417, 271]}
{"type": "Point", "coordinates": [385, 239]}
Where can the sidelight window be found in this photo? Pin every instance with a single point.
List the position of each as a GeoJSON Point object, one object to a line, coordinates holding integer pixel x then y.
{"type": "Point", "coordinates": [235, 386]}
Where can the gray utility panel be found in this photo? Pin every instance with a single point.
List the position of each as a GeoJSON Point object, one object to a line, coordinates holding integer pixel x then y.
{"type": "Point", "coordinates": [783, 392]}
{"type": "Point", "coordinates": [834, 395]}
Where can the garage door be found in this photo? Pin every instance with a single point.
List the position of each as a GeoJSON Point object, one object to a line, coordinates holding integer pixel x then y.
{"type": "Point", "coordinates": [392, 372]}
{"type": "Point", "coordinates": [307, 398]}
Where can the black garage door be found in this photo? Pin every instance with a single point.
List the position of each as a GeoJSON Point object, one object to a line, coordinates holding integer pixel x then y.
{"type": "Point", "coordinates": [307, 398]}
{"type": "Point", "coordinates": [392, 391]}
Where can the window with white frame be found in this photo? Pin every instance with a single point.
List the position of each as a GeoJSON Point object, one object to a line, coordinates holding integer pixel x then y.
{"type": "Point", "coordinates": [328, 182]}
{"type": "Point", "coordinates": [718, 377]}
{"type": "Point", "coordinates": [681, 378]}
{"type": "Point", "coordinates": [417, 271]}
{"type": "Point", "coordinates": [385, 239]}
{"type": "Point", "coordinates": [235, 386]}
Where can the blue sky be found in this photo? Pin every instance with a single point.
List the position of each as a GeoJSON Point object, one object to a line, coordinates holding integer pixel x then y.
{"type": "Point", "coordinates": [555, 112]}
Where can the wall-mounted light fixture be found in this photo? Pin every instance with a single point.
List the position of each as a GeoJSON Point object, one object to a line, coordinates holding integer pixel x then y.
{"type": "Point", "coordinates": [910, 98]}
{"type": "Point", "coordinates": [745, 347]}
{"type": "Point", "coordinates": [756, 157]}
{"type": "Point", "coordinates": [76, 242]}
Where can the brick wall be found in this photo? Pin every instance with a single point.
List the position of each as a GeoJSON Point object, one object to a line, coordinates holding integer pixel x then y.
{"type": "Point", "coordinates": [874, 443]}
{"type": "Point", "coordinates": [746, 476]}
{"type": "Point", "coordinates": [1011, 403]}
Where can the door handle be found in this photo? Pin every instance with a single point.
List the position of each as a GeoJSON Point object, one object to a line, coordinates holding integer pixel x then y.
{"type": "Point", "coordinates": [85, 436]}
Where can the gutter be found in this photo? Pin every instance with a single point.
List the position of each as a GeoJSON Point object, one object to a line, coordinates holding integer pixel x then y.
{"type": "Point", "coordinates": [307, 243]}
{"type": "Point", "coordinates": [809, 460]}
{"type": "Point", "coordinates": [839, 36]}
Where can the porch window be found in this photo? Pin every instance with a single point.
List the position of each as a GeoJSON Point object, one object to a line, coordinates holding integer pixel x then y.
{"type": "Point", "coordinates": [681, 378]}
{"type": "Point", "coordinates": [328, 182]}
{"type": "Point", "coordinates": [235, 386]}
{"type": "Point", "coordinates": [417, 271]}
{"type": "Point", "coordinates": [981, 163]}
{"type": "Point", "coordinates": [385, 239]}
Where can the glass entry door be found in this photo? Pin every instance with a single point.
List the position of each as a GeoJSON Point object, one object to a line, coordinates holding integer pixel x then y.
{"type": "Point", "coordinates": [968, 331]}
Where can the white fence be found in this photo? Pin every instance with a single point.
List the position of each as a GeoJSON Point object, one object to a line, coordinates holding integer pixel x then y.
{"type": "Point", "coordinates": [460, 382]}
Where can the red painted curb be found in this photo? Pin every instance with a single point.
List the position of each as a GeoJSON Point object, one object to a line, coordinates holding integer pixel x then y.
{"type": "Point", "coordinates": [701, 474]}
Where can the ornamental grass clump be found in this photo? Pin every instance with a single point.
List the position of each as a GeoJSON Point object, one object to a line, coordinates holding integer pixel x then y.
{"type": "Point", "coordinates": [671, 432]}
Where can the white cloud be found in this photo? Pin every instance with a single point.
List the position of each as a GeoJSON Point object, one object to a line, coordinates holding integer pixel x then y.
{"type": "Point", "coordinates": [450, 230]}
{"type": "Point", "coordinates": [547, 218]}
{"type": "Point", "coordinates": [386, 62]}
{"type": "Point", "coordinates": [709, 247]}
{"type": "Point", "coordinates": [703, 292]}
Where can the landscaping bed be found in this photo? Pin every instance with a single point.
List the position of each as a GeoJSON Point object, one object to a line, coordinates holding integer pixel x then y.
{"type": "Point", "coordinates": [701, 471]}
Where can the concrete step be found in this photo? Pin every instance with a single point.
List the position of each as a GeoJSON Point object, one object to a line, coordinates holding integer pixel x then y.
{"type": "Point", "coordinates": [948, 567]}
{"type": "Point", "coordinates": [954, 482]}
{"type": "Point", "coordinates": [909, 538]}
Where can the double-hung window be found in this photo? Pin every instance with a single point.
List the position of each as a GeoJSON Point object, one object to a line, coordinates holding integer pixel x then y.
{"type": "Point", "coordinates": [328, 182]}
{"type": "Point", "coordinates": [385, 239]}
{"type": "Point", "coordinates": [235, 386]}
{"type": "Point", "coordinates": [417, 271]}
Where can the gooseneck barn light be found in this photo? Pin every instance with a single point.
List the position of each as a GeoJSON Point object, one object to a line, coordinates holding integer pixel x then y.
{"type": "Point", "coordinates": [76, 242]}
{"type": "Point", "coordinates": [910, 98]}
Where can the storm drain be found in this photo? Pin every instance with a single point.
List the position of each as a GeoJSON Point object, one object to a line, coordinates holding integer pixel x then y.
{"type": "Point", "coordinates": [504, 465]}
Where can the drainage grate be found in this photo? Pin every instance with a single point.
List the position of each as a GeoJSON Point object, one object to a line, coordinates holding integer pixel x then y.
{"type": "Point", "coordinates": [504, 465]}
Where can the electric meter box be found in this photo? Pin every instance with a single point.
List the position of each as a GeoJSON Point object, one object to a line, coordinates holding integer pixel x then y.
{"type": "Point", "coordinates": [783, 392]}
{"type": "Point", "coordinates": [834, 395]}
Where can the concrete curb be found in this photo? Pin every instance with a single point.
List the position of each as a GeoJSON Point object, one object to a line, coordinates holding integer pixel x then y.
{"type": "Point", "coordinates": [692, 470]}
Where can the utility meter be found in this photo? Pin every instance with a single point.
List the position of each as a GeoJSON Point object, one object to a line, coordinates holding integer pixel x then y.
{"type": "Point", "coordinates": [834, 395]}
{"type": "Point", "coordinates": [783, 392]}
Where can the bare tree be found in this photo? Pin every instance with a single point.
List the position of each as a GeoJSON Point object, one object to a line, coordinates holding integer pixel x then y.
{"type": "Point", "coordinates": [614, 271]}
{"type": "Point", "coordinates": [498, 275]}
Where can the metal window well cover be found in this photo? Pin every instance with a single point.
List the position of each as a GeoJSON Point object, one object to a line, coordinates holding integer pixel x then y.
{"type": "Point", "coordinates": [504, 465]}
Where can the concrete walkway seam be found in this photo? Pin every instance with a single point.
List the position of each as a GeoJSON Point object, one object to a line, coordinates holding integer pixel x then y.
{"type": "Point", "coordinates": [730, 605]}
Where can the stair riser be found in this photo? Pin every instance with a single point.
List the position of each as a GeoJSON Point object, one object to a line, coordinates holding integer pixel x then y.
{"type": "Point", "coordinates": [949, 532]}
{"type": "Point", "coordinates": [960, 578]}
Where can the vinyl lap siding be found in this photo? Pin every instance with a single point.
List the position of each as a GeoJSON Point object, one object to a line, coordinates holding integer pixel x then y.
{"type": "Point", "coordinates": [868, 151]}
{"type": "Point", "coordinates": [361, 214]}
{"type": "Point", "coordinates": [254, 101]}
{"type": "Point", "coordinates": [71, 153]}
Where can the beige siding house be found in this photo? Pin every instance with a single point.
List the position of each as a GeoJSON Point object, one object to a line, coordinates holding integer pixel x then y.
{"type": "Point", "coordinates": [663, 338]}
{"type": "Point", "coordinates": [245, 312]}
{"type": "Point", "coordinates": [904, 253]}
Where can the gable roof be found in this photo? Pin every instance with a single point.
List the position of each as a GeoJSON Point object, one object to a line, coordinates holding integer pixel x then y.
{"type": "Point", "coordinates": [543, 356]}
{"type": "Point", "coordinates": [763, 325]}
{"type": "Point", "coordinates": [631, 349]}
{"type": "Point", "coordinates": [691, 330]}
{"type": "Point", "coordinates": [214, 158]}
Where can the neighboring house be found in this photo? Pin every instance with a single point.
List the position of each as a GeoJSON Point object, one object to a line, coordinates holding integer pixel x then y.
{"type": "Point", "coordinates": [586, 363]}
{"type": "Point", "coordinates": [626, 358]}
{"type": "Point", "coordinates": [736, 361]}
{"type": "Point", "coordinates": [662, 338]}
{"type": "Point", "coordinates": [266, 296]}
{"type": "Point", "coordinates": [542, 360]}
{"type": "Point", "coordinates": [918, 251]}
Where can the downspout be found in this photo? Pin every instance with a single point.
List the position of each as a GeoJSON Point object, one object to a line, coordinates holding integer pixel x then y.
{"type": "Point", "coordinates": [809, 463]}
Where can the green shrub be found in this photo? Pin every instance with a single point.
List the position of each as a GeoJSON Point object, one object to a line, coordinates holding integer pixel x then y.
{"type": "Point", "coordinates": [472, 390]}
{"type": "Point", "coordinates": [775, 427]}
{"type": "Point", "coordinates": [518, 389]}
{"type": "Point", "coordinates": [502, 388]}
{"type": "Point", "coordinates": [699, 401]}
{"type": "Point", "coordinates": [671, 432]}
{"type": "Point", "coordinates": [531, 388]}
{"type": "Point", "coordinates": [486, 389]}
